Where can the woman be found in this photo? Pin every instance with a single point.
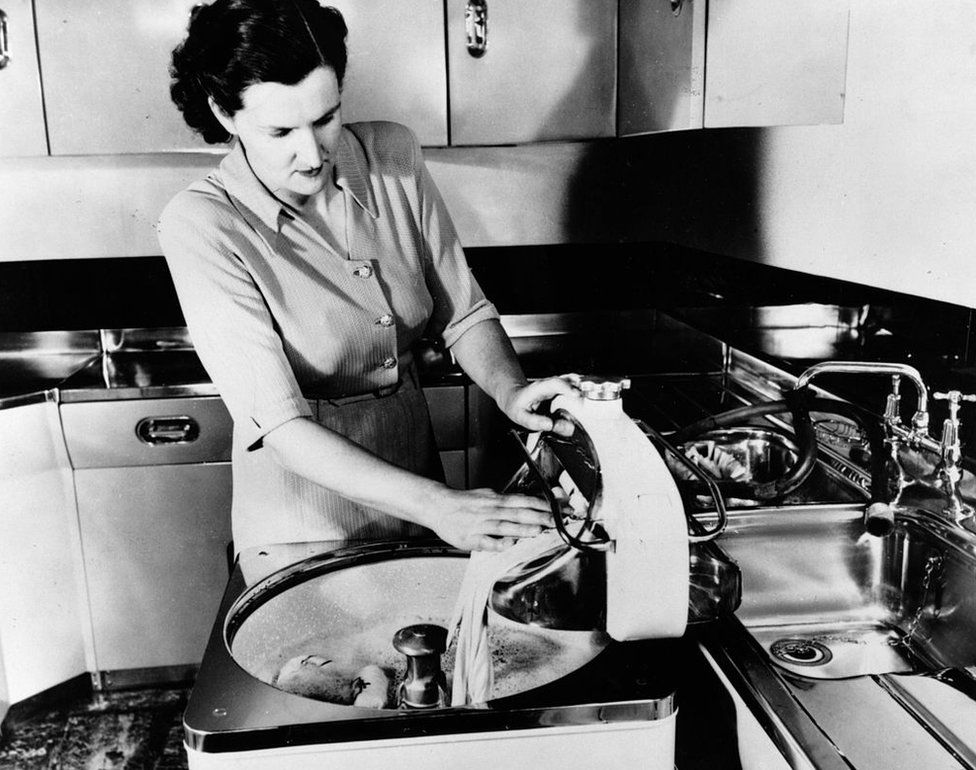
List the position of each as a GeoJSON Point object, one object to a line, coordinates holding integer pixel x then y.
{"type": "Point", "coordinates": [307, 265]}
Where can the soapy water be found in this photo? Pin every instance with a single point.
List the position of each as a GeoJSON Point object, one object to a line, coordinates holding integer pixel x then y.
{"type": "Point", "coordinates": [523, 657]}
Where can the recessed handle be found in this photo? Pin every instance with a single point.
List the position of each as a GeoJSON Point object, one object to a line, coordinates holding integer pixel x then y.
{"type": "Point", "coordinates": [160, 431]}
{"type": "Point", "coordinates": [4, 44]}
{"type": "Point", "coordinates": [476, 27]}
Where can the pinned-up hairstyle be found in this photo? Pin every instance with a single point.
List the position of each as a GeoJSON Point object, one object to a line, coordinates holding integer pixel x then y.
{"type": "Point", "coordinates": [233, 44]}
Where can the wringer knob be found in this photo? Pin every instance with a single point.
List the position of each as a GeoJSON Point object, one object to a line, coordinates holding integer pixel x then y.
{"type": "Point", "coordinates": [422, 644]}
{"type": "Point", "coordinates": [601, 388]}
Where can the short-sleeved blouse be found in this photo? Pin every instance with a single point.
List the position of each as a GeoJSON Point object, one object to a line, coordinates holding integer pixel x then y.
{"type": "Point", "coordinates": [278, 315]}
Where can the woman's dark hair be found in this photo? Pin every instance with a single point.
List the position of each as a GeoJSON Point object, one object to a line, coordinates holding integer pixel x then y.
{"type": "Point", "coordinates": [233, 44]}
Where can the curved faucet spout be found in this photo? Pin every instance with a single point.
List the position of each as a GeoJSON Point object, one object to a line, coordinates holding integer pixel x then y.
{"type": "Point", "coordinates": [920, 421]}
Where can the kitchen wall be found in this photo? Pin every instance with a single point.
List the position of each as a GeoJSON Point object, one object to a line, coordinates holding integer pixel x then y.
{"type": "Point", "coordinates": [886, 199]}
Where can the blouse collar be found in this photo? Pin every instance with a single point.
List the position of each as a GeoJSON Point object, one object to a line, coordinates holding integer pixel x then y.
{"type": "Point", "coordinates": [351, 173]}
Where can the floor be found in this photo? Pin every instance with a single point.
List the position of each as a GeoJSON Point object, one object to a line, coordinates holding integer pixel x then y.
{"type": "Point", "coordinates": [129, 730]}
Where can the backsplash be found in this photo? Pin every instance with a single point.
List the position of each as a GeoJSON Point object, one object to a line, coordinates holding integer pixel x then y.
{"type": "Point", "coordinates": [720, 294]}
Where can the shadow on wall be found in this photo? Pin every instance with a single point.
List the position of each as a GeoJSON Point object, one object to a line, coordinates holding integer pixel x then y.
{"type": "Point", "coordinates": [696, 188]}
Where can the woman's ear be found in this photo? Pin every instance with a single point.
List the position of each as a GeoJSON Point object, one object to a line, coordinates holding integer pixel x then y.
{"type": "Point", "coordinates": [222, 117]}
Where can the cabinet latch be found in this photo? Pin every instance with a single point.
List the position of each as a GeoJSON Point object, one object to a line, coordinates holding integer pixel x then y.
{"type": "Point", "coordinates": [4, 45]}
{"type": "Point", "coordinates": [156, 431]}
{"type": "Point", "coordinates": [476, 27]}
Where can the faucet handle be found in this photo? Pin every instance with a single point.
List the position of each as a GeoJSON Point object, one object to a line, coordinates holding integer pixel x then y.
{"type": "Point", "coordinates": [955, 399]}
{"type": "Point", "coordinates": [892, 413]}
{"type": "Point", "coordinates": [951, 449]}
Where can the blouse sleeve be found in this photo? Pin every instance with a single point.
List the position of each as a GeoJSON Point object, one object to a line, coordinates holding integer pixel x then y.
{"type": "Point", "coordinates": [459, 302]}
{"type": "Point", "coordinates": [230, 324]}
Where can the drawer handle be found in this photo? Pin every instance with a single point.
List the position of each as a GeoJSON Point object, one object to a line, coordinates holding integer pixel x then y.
{"type": "Point", "coordinates": [158, 431]}
{"type": "Point", "coordinates": [476, 27]}
{"type": "Point", "coordinates": [4, 45]}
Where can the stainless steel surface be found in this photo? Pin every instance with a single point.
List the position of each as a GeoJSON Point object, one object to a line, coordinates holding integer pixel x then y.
{"type": "Point", "coordinates": [118, 434]}
{"type": "Point", "coordinates": [22, 132]}
{"type": "Point", "coordinates": [798, 78]}
{"type": "Point", "coordinates": [902, 603]}
{"type": "Point", "coordinates": [569, 46]}
{"type": "Point", "coordinates": [661, 67]}
{"type": "Point", "coordinates": [231, 709]}
{"type": "Point", "coordinates": [397, 66]}
{"type": "Point", "coordinates": [753, 454]}
{"type": "Point", "coordinates": [152, 484]}
{"type": "Point", "coordinates": [153, 541]}
{"type": "Point", "coordinates": [126, 106]}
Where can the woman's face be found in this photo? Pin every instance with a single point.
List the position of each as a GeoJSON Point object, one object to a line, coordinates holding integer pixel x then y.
{"type": "Point", "coordinates": [290, 133]}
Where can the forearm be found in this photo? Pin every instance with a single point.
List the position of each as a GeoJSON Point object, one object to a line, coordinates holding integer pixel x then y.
{"type": "Point", "coordinates": [333, 461]}
{"type": "Point", "coordinates": [478, 519]}
{"type": "Point", "coordinates": [486, 354]}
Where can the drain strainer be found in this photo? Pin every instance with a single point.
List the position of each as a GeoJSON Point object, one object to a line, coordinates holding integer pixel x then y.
{"type": "Point", "coordinates": [800, 652]}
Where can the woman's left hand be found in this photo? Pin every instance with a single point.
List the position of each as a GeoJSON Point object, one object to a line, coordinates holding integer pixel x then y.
{"type": "Point", "coordinates": [522, 401]}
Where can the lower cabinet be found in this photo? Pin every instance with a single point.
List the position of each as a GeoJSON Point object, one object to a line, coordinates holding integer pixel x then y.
{"type": "Point", "coordinates": [153, 487]}
{"type": "Point", "coordinates": [154, 540]}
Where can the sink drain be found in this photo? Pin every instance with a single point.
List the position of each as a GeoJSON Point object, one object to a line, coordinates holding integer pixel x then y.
{"type": "Point", "coordinates": [800, 652]}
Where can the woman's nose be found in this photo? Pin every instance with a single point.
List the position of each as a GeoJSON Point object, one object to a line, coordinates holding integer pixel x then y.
{"type": "Point", "coordinates": [308, 151]}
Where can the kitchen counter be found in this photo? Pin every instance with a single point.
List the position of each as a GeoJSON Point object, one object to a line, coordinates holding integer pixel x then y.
{"type": "Point", "coordinates": [113, 364]}
{"type": "Point", "coordinates": [129, 364]}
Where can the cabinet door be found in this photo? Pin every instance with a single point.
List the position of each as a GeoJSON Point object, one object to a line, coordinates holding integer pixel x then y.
{"type": "Point", "coordinates": [21, 109]}
{"type": "Point", "coordinates": [772, 63]}
{"type": "Point", "coordinates": [154, 540]}
{"type": "Point", "coordinates": [397, 67]}
{"type": "Point", "coordinates": [548, 71]}
{"type": "Point", "coordinates": [42, 636]}
{"type": "Point", "coordinates": [106, 75]}
{"type": "Point", "coordinates": [662, 66]}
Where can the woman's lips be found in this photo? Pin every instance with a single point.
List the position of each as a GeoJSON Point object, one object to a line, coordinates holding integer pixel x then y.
{"type": "Point", "coordinates": [310, 173]}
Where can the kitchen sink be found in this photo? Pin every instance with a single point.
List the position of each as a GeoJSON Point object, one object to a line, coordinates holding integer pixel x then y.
{"type": "Point", "coordinates": [826, 600]}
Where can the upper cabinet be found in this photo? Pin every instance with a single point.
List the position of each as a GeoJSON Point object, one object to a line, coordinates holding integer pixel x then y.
{"type": "Point", "coordinates": [458, 72]}
{"type": "Point", "coordinates": [118, 101]}
{"type": "Point", "coordinates": [396, 68]}
{"type": "Point", "coordinates": [106, 75]}
{"type": "Point", "coordinates": [21, 109]}
{"type": "Point", "coordinates": [662, 65]}
{"type": "Point", "coordinates": [772, 63]}
{"type": "Point", "coordinates": [688, 64]}
{"type": "Point", "coordinates": [527, 72]}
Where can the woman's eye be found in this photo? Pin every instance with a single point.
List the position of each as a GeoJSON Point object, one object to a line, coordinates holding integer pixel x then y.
{"type": "Point", "coordinates": [325, 120]}
{"type": "Point", "coordinates": [279, 132]}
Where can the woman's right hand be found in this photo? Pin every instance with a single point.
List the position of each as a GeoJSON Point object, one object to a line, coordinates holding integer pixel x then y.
{"type": "Point", "coordinates": [485, 520]}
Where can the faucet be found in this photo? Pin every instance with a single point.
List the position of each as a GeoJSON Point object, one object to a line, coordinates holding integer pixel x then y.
{"type": "Point", "coordinates": [920, 420]}
{"type": "Point", "coordinates": [948, 474]}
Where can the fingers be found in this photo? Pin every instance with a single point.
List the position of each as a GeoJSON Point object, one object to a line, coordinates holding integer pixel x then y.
{"type": "Point", "coordinates": [532, 395]}
{"type": "Point", "coordinates": [487, 543]}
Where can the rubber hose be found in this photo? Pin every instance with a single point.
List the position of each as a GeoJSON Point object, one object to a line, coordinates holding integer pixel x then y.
{"type": "Point", "coordinates": [879, 518]}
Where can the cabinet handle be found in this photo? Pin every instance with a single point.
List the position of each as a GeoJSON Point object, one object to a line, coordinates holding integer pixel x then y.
{"type": "Point", "coordinates": [4, 47]}
{"type": "Point", "coordinates": [476, 27]}
{"type": "Point", "coordinates": [179, 429]}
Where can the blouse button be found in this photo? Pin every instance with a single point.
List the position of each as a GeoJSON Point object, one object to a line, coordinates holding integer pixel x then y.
{"type": "Point", "coordinates": [363, 271]}
{"type": "Point", "coordinates": [385, 320]}
{"type": "Point", "coordinates": [389, 363]}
